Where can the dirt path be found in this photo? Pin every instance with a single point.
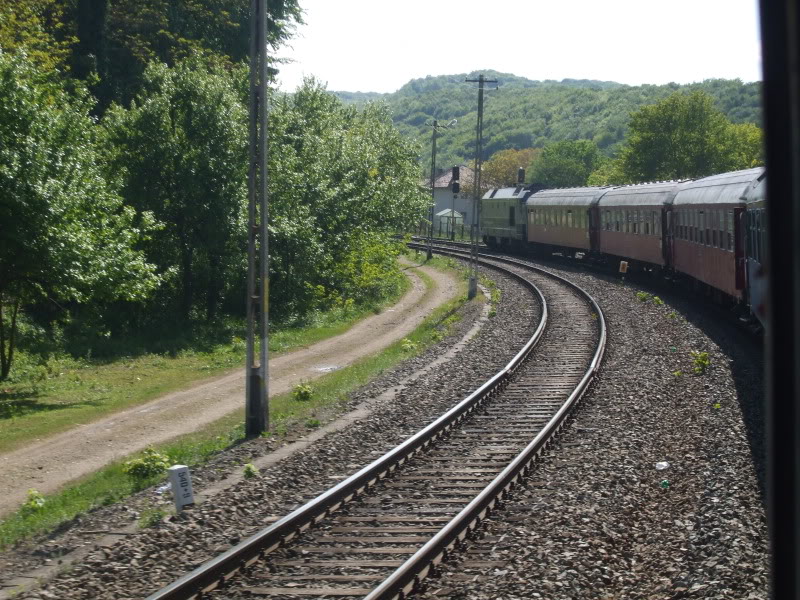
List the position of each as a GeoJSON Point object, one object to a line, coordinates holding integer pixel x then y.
{"type": "Point", "coordinates": [48, 465]}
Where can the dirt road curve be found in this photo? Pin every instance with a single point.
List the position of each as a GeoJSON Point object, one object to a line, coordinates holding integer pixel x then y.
{"type": "Point", "coordinates": [48, 465]}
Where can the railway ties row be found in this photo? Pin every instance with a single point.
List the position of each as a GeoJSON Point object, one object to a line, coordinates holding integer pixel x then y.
{"type": "Point", "coordinates": [380, 532]}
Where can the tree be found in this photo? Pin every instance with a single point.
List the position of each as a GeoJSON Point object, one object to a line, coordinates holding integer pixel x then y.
{"type": "Point", "coordinates": [745, 146]}
{"type": "Point", "coordinates": [608, 173]}
{"type": "Point", "coordinates": [348, 181]}
{"type": "Point", "coordinates": [40, 28]}
{"type": "Point", "coordinates": [182, 153]}
{"type": "Point", "coordinates": [65, 234]}
{"type": "Point", "coordinates": [565, 164]}
{"type": "Point", "coordinates": [501, 169]}
{"type": "Point", "coordinates": [137, 32]}
{"type": "Point", "coordinates": [684, 136]}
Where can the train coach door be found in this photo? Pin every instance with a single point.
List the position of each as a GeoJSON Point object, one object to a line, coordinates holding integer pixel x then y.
{"type": "Point", "coordinates": [593, 215]}
{"type": "Point", "coordinates": [740, 230]}
{"type": "Point", "coordinates": [667, 244]}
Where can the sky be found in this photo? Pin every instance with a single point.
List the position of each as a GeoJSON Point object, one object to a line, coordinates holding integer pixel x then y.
{"type": "Point", "coordinates": [379, 45]}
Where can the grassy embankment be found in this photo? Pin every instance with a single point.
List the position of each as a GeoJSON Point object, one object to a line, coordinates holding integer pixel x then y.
{"type": "Point", "coordinates": [84, 391]}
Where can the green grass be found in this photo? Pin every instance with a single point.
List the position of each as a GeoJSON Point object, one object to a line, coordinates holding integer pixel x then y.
{"type": "Point", "coordinates": [111, 485]}
{"type": "Point", "coordinates": [61, 393]}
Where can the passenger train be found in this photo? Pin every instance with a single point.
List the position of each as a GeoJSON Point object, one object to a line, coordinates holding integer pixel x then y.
{"type": "Point", "coordinates": [710, 231]}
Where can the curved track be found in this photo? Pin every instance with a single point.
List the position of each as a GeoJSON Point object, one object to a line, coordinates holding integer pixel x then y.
{"type": "Point", "coordinates": [398, 517]}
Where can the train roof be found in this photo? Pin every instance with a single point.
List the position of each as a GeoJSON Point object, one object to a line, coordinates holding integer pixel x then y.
{"type": "Point", "coordinates": [579, 196]}
{"type": "Point", "coordinates": [519, 192]}
{"type": "Point", "coordinates": [641, 194]}
{"type": "Point", "coordinates": [725, 188]}
{"type": "Point", "coordinates": [757, 190]}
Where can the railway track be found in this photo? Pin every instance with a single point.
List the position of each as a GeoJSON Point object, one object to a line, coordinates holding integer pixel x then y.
{"type": "Point", "coordinates": [381, 531]}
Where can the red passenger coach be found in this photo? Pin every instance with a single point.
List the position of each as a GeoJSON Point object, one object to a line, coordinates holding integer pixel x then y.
{"type": "Point", "coordinates": [560, 219]}
{"type": "Point", "coordinates": [631, 222]}
{"type": "Point", "coordinates": [707, 235]}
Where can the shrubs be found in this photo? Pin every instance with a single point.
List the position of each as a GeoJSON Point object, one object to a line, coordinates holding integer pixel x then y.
{"type": "Point", "coordinates": [34, 504]}
{"type": "Point", "coordinates": [302, 392]}
{"type": "Point", "coordinates": [250, 471]}
{"type": "Point", "coordinates": [701, 362]}
{"type": "Point", "coordinates": [150, 464]}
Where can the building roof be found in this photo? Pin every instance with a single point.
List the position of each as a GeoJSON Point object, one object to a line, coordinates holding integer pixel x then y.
{"type": "Point", "coordinates": [444, 180]}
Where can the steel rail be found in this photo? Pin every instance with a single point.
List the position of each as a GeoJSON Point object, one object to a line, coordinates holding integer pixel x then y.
{"type": "Point", "coordinates": [221, 568]}
{"type": "Point", "coordinates": [409, 575]}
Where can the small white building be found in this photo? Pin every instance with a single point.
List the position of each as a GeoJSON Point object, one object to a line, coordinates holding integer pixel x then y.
{"type": "Point", "coordinates": [443, 196]}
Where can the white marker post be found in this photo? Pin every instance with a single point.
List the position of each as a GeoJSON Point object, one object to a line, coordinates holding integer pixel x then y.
{"type": "Point", "coordinates": [181, 482]}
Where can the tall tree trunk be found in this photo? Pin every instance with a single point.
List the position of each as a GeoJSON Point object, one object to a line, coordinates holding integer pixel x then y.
{"type": "Point", "coordinates": [7, 346]}
{"type": "Point", "coordinates": [212, 291]}
{"type": "Point", "coordinates": [187, 278]}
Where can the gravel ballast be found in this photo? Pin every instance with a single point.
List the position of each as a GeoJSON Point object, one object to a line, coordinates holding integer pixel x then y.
{"type": "Point", "coordinates": [140, 563]}
{"type": "Point", "coordinates": [595, 520]}
{"type": "Point", "coordinates": [600, 517]}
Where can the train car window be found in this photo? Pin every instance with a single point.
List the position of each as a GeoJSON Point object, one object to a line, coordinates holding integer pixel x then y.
{"type": "Point", "coordinates": [693, 225]}
{"type": "Point", "coordinates": [701, 227]}
{"type": "Point", "coordinates": [712, 218]}
{"type": "Point", "coordinates": [748, 234]}
{"type": "Point", "coordinates": [729, 230]}
{"type": "Point", "coordinates": [635, 219]}
{"type": "Point", "coordinates": [569, 219]}
{"type": "Point", "coordinates": [512, 216]}
{"type": "Point", "coordinates": [688, 226]}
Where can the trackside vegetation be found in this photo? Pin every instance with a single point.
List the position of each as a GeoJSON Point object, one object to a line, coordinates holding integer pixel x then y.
{"type": "Point", "coordinates": [288, 412]}
{"type": "Point", "coordinates": [124, 194]}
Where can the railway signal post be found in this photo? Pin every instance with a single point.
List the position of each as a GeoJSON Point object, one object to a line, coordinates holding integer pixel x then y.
{"type": "Point", "coordinates": [436, 128]}
{"type": "Point", "coordinates": [456, 189]}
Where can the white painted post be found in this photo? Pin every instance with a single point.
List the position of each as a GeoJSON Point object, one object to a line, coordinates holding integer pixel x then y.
{"type": "Point", "coordinates": [181, 482]}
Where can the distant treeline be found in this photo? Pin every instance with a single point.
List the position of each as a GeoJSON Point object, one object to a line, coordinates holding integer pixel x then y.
{"type": "Point", "coordinates": [522, 113]}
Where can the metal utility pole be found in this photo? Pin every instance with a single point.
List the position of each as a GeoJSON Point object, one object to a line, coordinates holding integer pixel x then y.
{"type": "Point", "coordinates": [436, 128]}
{"type": "Point", "coordinates": [476, 211]}
{"type": "Point", "coordinates": [257, 374]}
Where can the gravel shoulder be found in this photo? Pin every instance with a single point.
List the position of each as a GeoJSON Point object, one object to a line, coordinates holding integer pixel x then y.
{"type": "Point", "coordinates": [49, 464]}
{"type": "Point", "coordinates": [655, 490]}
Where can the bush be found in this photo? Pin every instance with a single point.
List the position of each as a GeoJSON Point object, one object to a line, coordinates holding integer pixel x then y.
{"type": "Point", "coordinates": [250, 471]}
{"type": "Point", "coordinates": [34, 504]}
{"type": "Point", "coordinates": [408, 346]}
{"type": "Point", "coordinates": [150, 464]}
{"type": "Point", "coordinates": [303, 392]}
{"type": "Point", "coordinates": [701, 362]}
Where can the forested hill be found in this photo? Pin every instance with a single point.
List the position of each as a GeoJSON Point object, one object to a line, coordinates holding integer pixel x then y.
{"type": "Point", "coordinates": [522, 113]}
